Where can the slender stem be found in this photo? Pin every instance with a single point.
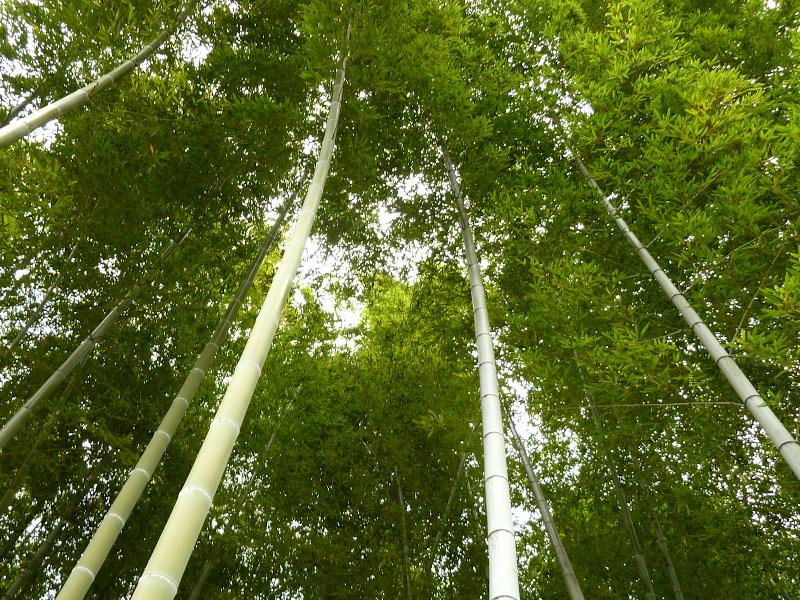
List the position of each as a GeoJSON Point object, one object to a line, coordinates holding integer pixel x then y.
{"type": "Point", "coordinates": [503, 576]}
{"type": "Point", "coordinates": [38, 310]}
{"type": "Point", "coordinates": [567, 572]}
{"type": "Point", "coordinates": [33, 564]}
{"type": "Point", "coordinates": [93, 557]}
{"type": "Point", "coordinates": [404, 537]}
{"type": "Point", "coordinates": [622, 501]}
{"type": "Point", "coordinates": [77, 357]}
{"type": "Point", "coordinates": [168, 562]}
{"type": "Point", "coordinates": [787, 446]}
{"type": "Point", "coordinates": [22, 127]}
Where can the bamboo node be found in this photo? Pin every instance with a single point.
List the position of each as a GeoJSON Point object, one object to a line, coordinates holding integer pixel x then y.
{"type": "Point", "coordinates": [196, 488]}
{"type": "Point", "coordinates": [117, 516]}
{"type": "Point", "coordinates": [163, 577]}
{"type": "Point", "coordinates": [91, 573]}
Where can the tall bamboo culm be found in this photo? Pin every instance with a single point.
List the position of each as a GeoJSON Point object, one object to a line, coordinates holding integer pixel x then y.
{"type": "Point", "coordinates": [166, 566]}
{"type": "Point", "coordinates": [19, 128]}
{"type": "Point", "coordinates": [503, 576]}
{"type": "Point", "coordinates": [787, 446]}
{"type": "Point", "coordinates": [240, 501]}
{"type": "Point", "coordinates": [60, 375]}
{"type": "Point", "coordinates": [567, 572]}
{"type": "Point", "coordinates": [93, 557]}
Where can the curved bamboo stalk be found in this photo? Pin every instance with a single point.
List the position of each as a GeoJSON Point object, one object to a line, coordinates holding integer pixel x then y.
{"type": "Point", "coordinates": [787, 446]}
{"type": "Point", "coordinates": [93, 557]}
{"type": "Point", "coordinates": [60, 375]}
{"type": "Point", "coordinates": [22, 127]}
{"type": "Point", "coordinates": [38, 310]}
{"type": "Point", "coordinates": [503, 576]}
{"type": "Point", "coordinates": [243, 494]}
{"type": "Point", "coordinates": [168, 562]}
{"type": "Point", "coordinates": [567, 572]}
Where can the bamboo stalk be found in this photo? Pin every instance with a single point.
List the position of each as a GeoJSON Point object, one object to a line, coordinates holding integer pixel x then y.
{"type": "Point", "coordinates": [787, 446]}
{"type": "Point", "coordinates": [622, 501]}
{"type": "Point", "coordinates": [41, 552]}
{"type": "Point", "coordinates": [503, 576]}
{"type": "Point", "coordinates": [568, 573]}
{"type": "Point", "coordinates": [22, 127]}
{"type": "Point", "coordinates": [38, 310]}
{"type": "Point", "coordinates": [404, 537]}
{"type": "Point", "coordinates": [242, 498]}
{"type": "Point", "coordinates": [93, 557]}
{"type": "Point", "coordinates": [60, 375]}
{"type": "Point", "coordinates": [168, 562]}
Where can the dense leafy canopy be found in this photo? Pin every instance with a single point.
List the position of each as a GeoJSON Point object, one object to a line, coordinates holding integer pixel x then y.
{"type": "Point", "coordinates": [687, 112]}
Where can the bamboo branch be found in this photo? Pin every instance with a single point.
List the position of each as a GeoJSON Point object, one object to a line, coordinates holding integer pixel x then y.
{"type": "Point", "coordinates": [787, 446]}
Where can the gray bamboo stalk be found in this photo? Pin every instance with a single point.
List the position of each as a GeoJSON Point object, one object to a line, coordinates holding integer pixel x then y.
{"type": "Point", "coordinates": [33, 564]}
{"type": "Point", "coordinates": [637, 467]}
{"type": "Point", "coordinates": [168, 562]}
{"type": "Point", "coordinates": [38, 310]}
{"type": "Point", "coordinates": [93, 557]}
{"type": "Point", "coordinates": [242, 498]}
{"type": "Point", "coordinates": [567, 572]}
{"type": "Point", "coordinates": [622, 501]}
{"type": "Point", "coordinates": [22, 127]}
{"type": "Point", "coordinates": [401, 501]}
{"type": "Point", "coordinates": [60, 375]}
{"type": "Point", "coordinates": [787, 446]}
{"type": "Point", "coordinates": [503, 576]}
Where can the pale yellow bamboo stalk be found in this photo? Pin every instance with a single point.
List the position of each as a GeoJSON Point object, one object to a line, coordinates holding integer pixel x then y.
{"type": "Point", "coordinates": [21, 127]}
{"type": "Point", "coordinates": [93, 557]}
{"type": "Point", "coordinates": [168, 562]}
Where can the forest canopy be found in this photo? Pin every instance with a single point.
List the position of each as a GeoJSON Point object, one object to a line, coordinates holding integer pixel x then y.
{"type": "Point", "coordinates": [358, 471]}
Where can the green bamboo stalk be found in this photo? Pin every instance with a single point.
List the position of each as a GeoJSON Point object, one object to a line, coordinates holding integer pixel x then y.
{"type": "Point", "coordinates": [93, 557]}
{"type": "Point", "coordinates": [22, 127]}
{"type": "Point", "coordinates": [60, 375]}
{"type": "Point", "coordinates": [622, 501]}
{"type": "Point", "coordinates": [503, 577]}
{"type": "Point", "coordinates": [242, 498]}
{"type": "Point", "coordinates": [567, 572]}
{"type": "Point", "coordinates": [19, 476]}
{"type": "Point", "coordinates": [401, 501]}
{"type": "Point", "coordinates": [37, 311]}
{"type": "Point", "coordinates": [33, 564]}
{"type": "Point", "coordinates": [787, 446]}
{"type": "Point", "coordinates": [171, 554]}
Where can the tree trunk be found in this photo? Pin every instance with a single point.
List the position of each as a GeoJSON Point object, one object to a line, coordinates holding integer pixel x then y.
{"type": "Point", "coordinates": [93, 557]}
{"type": "Point", "coordinates": [503, 577]}
{"type": "Point", "coordinates": [171, 554]}
{"type": "Point", "coordinates": [571, 581]}
{"type": "Point", "coordinates": [787, 446]}
{"type": "Point", "coordinates": [404, 537]}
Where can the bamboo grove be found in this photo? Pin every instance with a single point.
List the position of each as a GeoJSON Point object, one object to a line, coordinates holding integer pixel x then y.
{"type": "Point", "coordinates": [190, 410]}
